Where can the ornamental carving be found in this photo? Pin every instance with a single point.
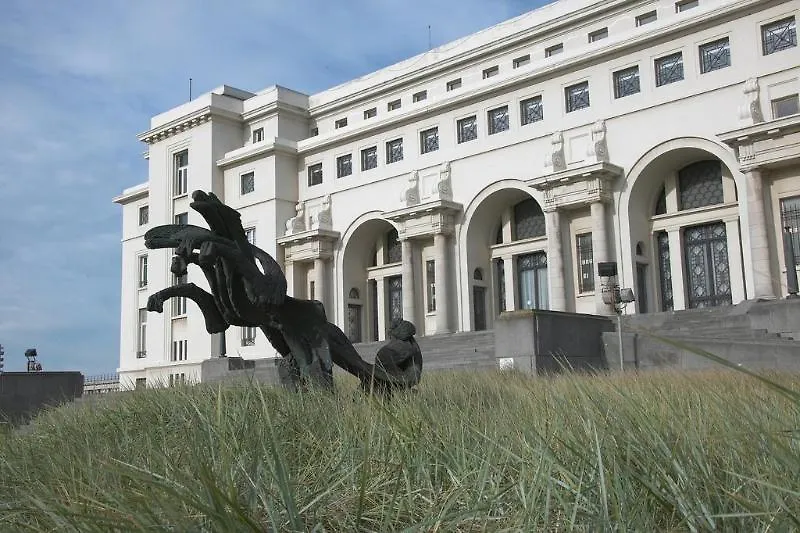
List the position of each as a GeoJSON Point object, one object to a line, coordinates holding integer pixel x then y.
{"type": "Point", "coordinates": [411, 193]}
{"type": "Point", "coordinates": [322, 219]}
{"type": "Point", "coordinates": [297, 223]}
{"type": "Point", "coordinates": [555, 159]}
{"type": "Point", "coordinates": [598, 148]}
{"type": "Point", "coordinates": [750, 112]}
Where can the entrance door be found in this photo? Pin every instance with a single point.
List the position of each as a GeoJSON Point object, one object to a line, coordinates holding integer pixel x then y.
{"type": "Point", "coordinates": [708, 274]}
{"type": "Point", "coordinates": [354, 322]}
{"type": "Point", "coordinates": [641, 287]}
{"type": "Point", "coordinates": [532, 284]}
{"type": "Point", "coordinates": [479, 307]}
{"type": "Point", "coordinates": [395, 298]}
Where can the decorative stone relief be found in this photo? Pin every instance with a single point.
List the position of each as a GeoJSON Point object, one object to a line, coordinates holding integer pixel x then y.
{"type": "Point", "coordinates": [411, 193]}
{"type": "Point", "coordinates": [322, 219]}
{"type": "Point", "coordinates": [555, 159]}
{"type": "Point", "coordinates": [444, 187]}
{"type": "Point", "coordinates": [750, 111]}
{"type": "Point", "coordinates": [598, 148]}
{"type": "Point", "coordinates": [297, 223]}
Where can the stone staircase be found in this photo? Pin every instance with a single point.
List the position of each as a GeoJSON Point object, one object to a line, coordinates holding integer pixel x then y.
{"type": "Point", "coordinates": [473, 350]}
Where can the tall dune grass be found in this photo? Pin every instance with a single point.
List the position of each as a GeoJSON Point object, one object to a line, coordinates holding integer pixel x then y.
{"type": "Point", "coordinates": [662, 451]}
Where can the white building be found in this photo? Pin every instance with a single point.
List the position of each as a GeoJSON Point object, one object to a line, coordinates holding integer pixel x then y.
{"type": "Point", "coordinates": [494, 173]}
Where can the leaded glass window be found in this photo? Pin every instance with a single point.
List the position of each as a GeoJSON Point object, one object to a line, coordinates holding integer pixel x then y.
{"type": "Point", "coordinates": [532, 282]}
{"type": "Point", "coordinates": [577, 96]}
{"type": "Point", "coordinates": [528, 220]}
{"type": "Point", "coordinates": [344, 165]}
{"type": "Point", "coordinates": [669, 69]}
{"type": "Point", "coordinates": [531, 110]}
{"type": "Point", "coordinates": [583, 248]}
{"type": "Point", "coordinates": [369, 158]}
{"type": "Point", "coordinates": [395, 286]}
{"type": "Point", "coordinates": [501, 286]}
{"type": "Point", "coordinates": [626, 82]}
{"type": "Point", "coordinates": [477, 274]}
{"type": "Point", "coordinates": [790, 218]}
{"type": "Point", "coordinates": [429, 140]}
{"type": "Point", "coordinates": [248, 182]}
{"type": "Point", "coordinates": [700, 184]}
{"type": "Point", "coordinates": [394, 151]}
{"type": "Point", "coordinates": [778, 35]}
{"type": "Point", "coordinates": [394, 249]}
{"type": "Point", "coordinates": [715, 55]}
{"type": "Point", "coordinates": [661, 202]}
{"type": "Point", "coordinates": [354, 294]}
{"type": "Point", "coordinates": [144, 215]}
{"type": "Point", "coordinates": [430, 278]}
{"type": "Point", "coordinates": [498, 119]}
{"type": "Point", "coordinates": [665, 271]}
{"type": "Point", "coordinates": [706, 253]}
{"type": "Point", "coordinates": [467, 129]}
{"type": "Point", "coordinates": [315, 174]}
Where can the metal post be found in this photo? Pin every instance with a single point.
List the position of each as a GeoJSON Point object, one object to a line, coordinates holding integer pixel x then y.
{"type": "Point", "coordinates": [789, 258]}
{"type": "Point", "coordinates": [223, 349]}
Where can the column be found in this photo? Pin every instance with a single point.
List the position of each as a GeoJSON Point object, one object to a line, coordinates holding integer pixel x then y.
{"type": "Point", "coordinates": [510, 273]}
{"type": "Point", "coordinates": [320, 289]}
{"type": "Point", "coordinates": [555, 261]}
{"type": "Point", "coordinates": [759, 245]}
{"type": "Point", "coordinates": [380, 286]}
{"type": "Point", "coordinates": [735, 270]}
{"type": "Point", "coordinates": [442, 283]}
{"type": "Point", "coordinates": [289, 273]}
{"type": "Point", "coordinates": [676, 268]}
{"type": "Point", "coordinates": [600, 253]}
{"type": "Point", "coordinates": [408, 282]}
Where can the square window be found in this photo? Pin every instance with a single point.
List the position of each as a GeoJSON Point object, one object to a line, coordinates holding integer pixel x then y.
{"type": "Point", "coordinates": [778, 35]}
{"type": "Point", "coordinates": [180, 175]}
{"type": "Point", "coordinates": [556, 49]}
{"type": "Point", "coordinates": [491, 71]}
{"type": "Point", "coordinates": [669, 69]}
{"type": "Point", "coordinates": [626, 82]}
{"type": "Point", "coordinates": [369, 158]}
{"type": "Point", "coordinates": [144, 215]}
{"type": "Point", "coordinates": [467, 129]}
{"type": "Point", "coordinates": [258, 135]}
{"type": "Point", "coordinates": [454, 84]}
{"type": "Point", "coordinates": [182, 219]}
{"type": "Point", "coordinates": [344, 165]}
{"type": "Point", "coordinates": [370, 113]}
{"type": "Point", "coordinates": [598, 35]}
{"type": "Point", "coordinates": [394, 105]}
{"type": "Point", "coordinates": [531, 110]}
{"type": "Point", "coordinates": [577, 96]}
{"type": "Point", "coordinates": [715, 55]}
{"type": "Point", "coordinates": [315, 174]}
{"type": "Point", "coordinates": [783, 107]}
{"type": "Point", "coordinates": [341, 123]}
{"type": "Point", "coordinates": [686, 5]}
{"type": "Point", "coordinates": [521, 61]}
{"type": "Point", "coordinates": [646, 18]}
{"type": "Point", "coordinates": [394, 151]}
{"type": "Point", "coordinates": [429, 140]}
{"type": "Point", "coordinates": [420, 96]}
{"type": "Point", "coordinates": [498, 119]}
{"type": "Point", "coordinates": [583, 247]}
{"type": "Point", "coordinates": [248, 182]}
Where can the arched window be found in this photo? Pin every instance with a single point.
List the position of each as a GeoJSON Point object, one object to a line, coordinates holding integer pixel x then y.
{"type": "Point", "coordinates": [528, 220]}
{"type": "Point", "coordinates": [354, 294]}
{"type": "Point", "coordinates": [661, 202]}
{"type": "Point", "coordinates": [477, 275]}
{"type": "Point", "coordinates": [499, 238]}
{"type": "Point", "coordinates": [700, 184]}
{"type": "Point", "coordinates": [394, 250]}
{"type": "Point", "coordinates": [640, 248]}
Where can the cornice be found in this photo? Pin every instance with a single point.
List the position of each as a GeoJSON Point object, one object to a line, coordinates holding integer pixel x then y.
{"type": "Point", "coordinates": [273, 108]}
{"type": "Point", "coordinates": [309, 235]}
{"type": "Point", "coordinates": [601, 170]}
{"type": "Point", "coordinates": [186, 122]}
{"type": "Point", "coordinates": [265, 147]}
{"type": "Point", "coordinates": [437, 206]}
{"type": "Point", "coordinates": [771, 129]}
{"type": "Point", "coordinates": [136, 193]}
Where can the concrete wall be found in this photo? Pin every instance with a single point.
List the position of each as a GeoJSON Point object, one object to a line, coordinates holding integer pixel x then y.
{"type": "Point", "coordinates": [24, 394]}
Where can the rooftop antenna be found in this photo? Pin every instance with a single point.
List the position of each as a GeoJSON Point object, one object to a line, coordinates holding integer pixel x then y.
{"type": "Point", "coordinates": [190, 89]}
{"type": "Point", "coordinates": [429, 38]}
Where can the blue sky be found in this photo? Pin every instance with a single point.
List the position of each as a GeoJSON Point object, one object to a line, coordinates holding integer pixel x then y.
{"type": "Point", "coordinates": [79, 80]}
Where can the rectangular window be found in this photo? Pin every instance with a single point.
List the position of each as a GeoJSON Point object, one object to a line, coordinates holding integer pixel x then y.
{"type": "Point", "coordinates": [314, 131]}
{"type": "Point", "coordinates": [141, 340]}
{"type": "Point", "coordinates": [420, 96]}
{"type": "Point", "coordinates": [669, 69]}
{"type": "Point", "coordinates": [430, 277]}
{"type": "Point", "coordinates": [344, 165]}
{"type": "Point", "coordinates": [467, 129]}
{"type": "Point", "coordinates": [179, 350]}
{"type": "Point", "coordinates": [531, 110]}
{"type": "Point", "coordinates": [248, 182]}
{"type": "Point", "coordinates": [556, 49]}
{"type": "Point", "coordinates": [577, 96]}
{"type": "Point", "coordinates": [369, 158]}
{"type": "Point", "coordinates": [394, 151]}
{"type": "Point", "coordinates": [598, 35]}
{"type": "Point", "coordinates": [311, 290]}
{"type": "Point", "coordinates": [249, 336]}
{"type": "Point", "coordinates": [179, 303]}
{"type": "Point", "coordinates": [315, 174]}
{"type": "Point", "coordinates": [686, 5]}
{"type": "Point", "coordinates": [646, 18]}
{"type": "Point", "coordinates": [491, 72]}
{"type": "Point", "coordinates": [626, 82]}
{"type": "Point", "coordinates": [583, 247]}
{"type": "Point", "coordinates": [454, 84]}
{"type": "Point", "coordinates": [790, 218]}
{"type": "Point", "coordinates": [394, 104]}
{"type": "Point", "coordinates": [258, 135]}
{"type": "Point", "coordinates": [181, 219]}
{"type": "Point", "coordinates": [143, 271]}
{"type": "Point", "coordinates": [140, 383]}
{"type": "Point", "coordinates": [341, 123]}
{"type": "Point", "coordinates": [250, 235]}
{"type": "Point", "coordinates": [521, 61]}
{"type": "Point", "coordinates": [429, 140]}
{"type": "Point", "coordinates": [144, 215]}
{"type": "Point", "coordinates": [180, 176]}
{"type": "Point", "coordinates": [498, 119]}
{"type": "Point", "coordinates": [778, 35]}
{"type": "Point", "coordinates": [783, 107]}
{"type": "Point", "coordinates": [372, 112]}
{"type": "Point", "coordinates": [715, 55]}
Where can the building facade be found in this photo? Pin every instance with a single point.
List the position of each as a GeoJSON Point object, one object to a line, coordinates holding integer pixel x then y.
{"type": "Point", "coordinates": [492, 174]}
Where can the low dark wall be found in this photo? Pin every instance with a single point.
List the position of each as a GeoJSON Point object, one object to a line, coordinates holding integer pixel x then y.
{"type": "Point", "coordinates": [24, 394]}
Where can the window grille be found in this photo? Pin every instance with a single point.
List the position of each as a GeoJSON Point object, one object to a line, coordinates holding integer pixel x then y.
{"type": "Point", "coordinates": [528, 220]}
{"type": "Point", "coordinates": [344, 165]}
{"type": "Point", "coordinates": [430, 275]}
{"type": "Point", "coordinates": [700, 184]}
{"type": "Point", "coordinates": [790, 218]}
{"type": "Point", "coordinates": [394, 151]}
{"type": "Point", "coordinates": [778, 35]}
{"type": "Point", "coordinates": [248, 182]}
{"type": "Point", "coordinates": [669, 69]}
{"type": "Point", "coordinates": [394, 249]}
{"type": "Point", "coordinates": [369, 158]}
{"type": "Point", "coordinates": [626, 82]}
{"type": "Point", "coordinates": [144, 215]}
{"type": "Point", "coordinates": [498, 120]}
{"type": "Point", "coordinates": [583, 245]}
{"type": "Point", "coordinates": [577, 96]}
{"type": "Point", "coordinates": [429, 140]}
{"type": "Point", "coordinates": [315, 174]}
{"type": "Point", "coordinates": [715, 55]}
{"type": "Point", "coordinates": [467, 129]}
{"type": "Point", "coordinates": [531, 110]}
